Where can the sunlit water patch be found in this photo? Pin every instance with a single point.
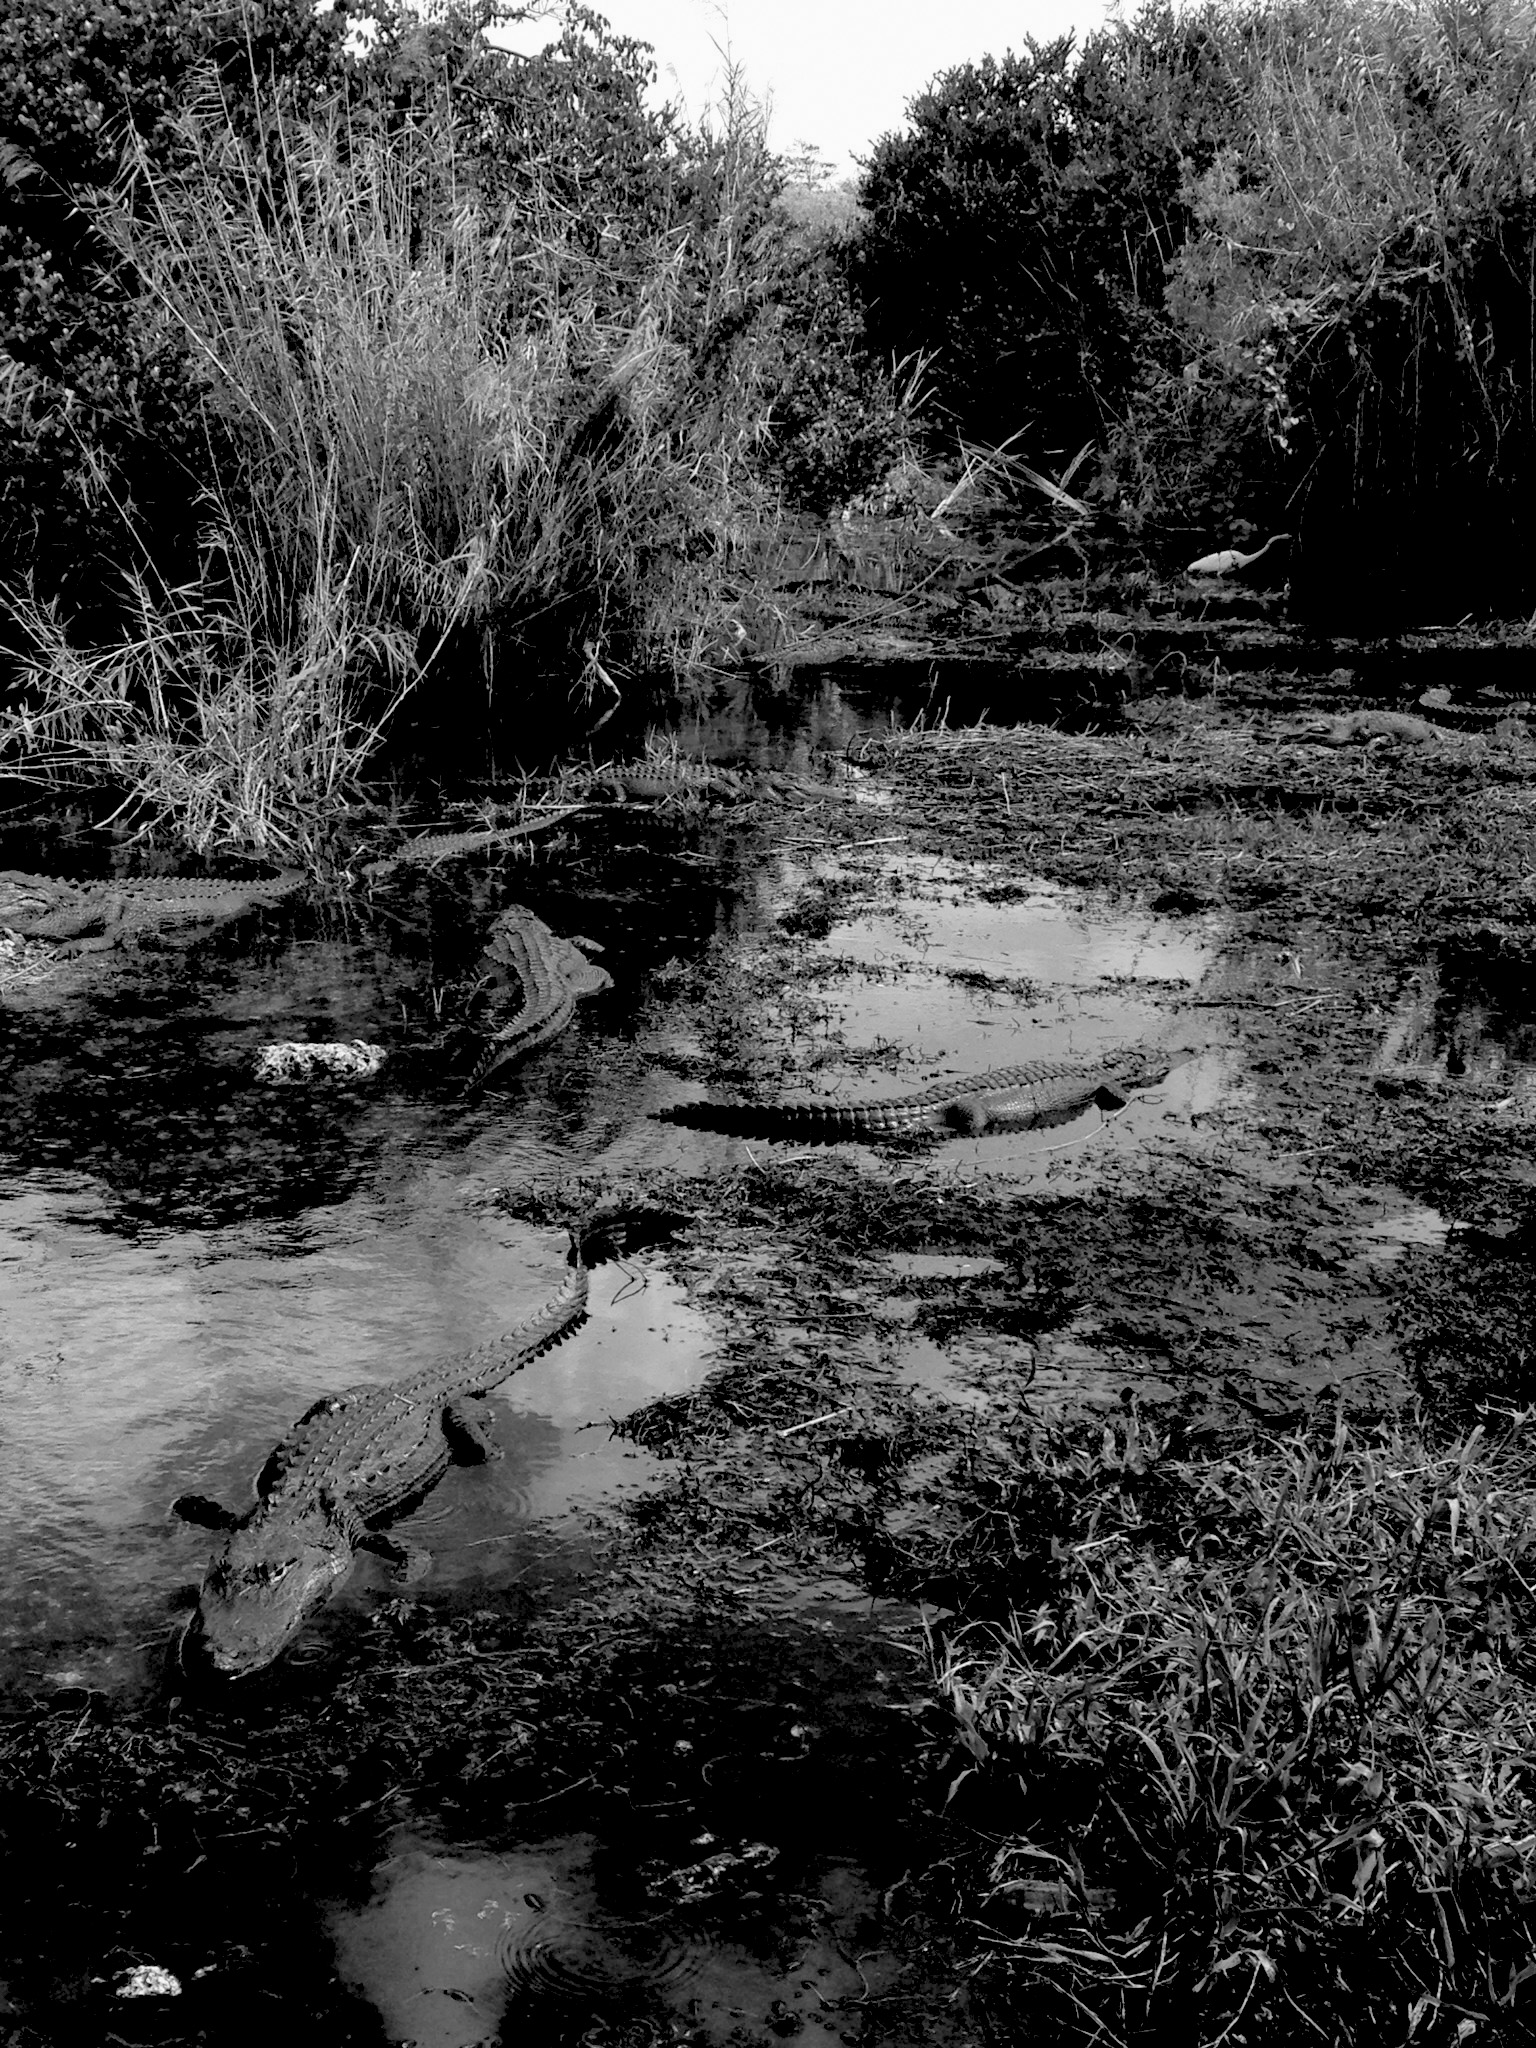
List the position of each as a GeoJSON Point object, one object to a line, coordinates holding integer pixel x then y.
{"type": "Point", "coordinates": [958, 969]}
{"type": "Point", "coordinates": [961, 964]}
{"type": "Point", "coordinates": [1383, 1242]}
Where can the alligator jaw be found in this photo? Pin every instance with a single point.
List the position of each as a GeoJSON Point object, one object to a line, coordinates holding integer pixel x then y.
{"type": "Point", "coordinates": [271, 1576]}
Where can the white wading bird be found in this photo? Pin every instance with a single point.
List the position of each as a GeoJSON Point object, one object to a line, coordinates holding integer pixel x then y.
{"type": "Point", "coordinates": [1227, 561]}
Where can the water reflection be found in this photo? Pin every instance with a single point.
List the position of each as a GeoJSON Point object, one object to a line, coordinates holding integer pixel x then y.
{"type": "Point", "coordinates": [959, 969]}
{"type": "Point", "coordinates": [543, 1941]}
{"type": "Point", "coordinates": [1464, 1017]}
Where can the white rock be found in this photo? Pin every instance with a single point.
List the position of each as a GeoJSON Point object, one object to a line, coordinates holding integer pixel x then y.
{"type": "Point", "coordinates": [352, 1060]}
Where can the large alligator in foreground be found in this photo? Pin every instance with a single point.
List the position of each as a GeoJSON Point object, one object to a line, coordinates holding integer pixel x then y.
{"type": "Point", "coordinates": [1036, 1094]}
{"type": "Point", "coordinates": [551, 975]}
{"type": "Point", "coordinates": [354, 1463]}
{"type": "Point", "coordinates": [83, 917]}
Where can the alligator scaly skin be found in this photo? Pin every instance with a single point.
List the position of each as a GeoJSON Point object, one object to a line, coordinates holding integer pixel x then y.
{"type": "Point", "coordinates": [1026, 1097]}
{"type": "Point", "coordinates": [84, 917]}
{"type": "Point", "coordinates": [350, 1466]}
{"type": "Point", "coordinates": [552, 975]}
{"type": "Point", "coordinates": [698, 782]}
{"type": "Point", "coordinates": [431, 848]}
{"type": "Point", "coordinates": [1479, 716]}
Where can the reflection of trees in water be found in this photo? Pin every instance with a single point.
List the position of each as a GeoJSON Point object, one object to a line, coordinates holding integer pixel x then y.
{"type": "Point", "coordinates": [1462, 1020]}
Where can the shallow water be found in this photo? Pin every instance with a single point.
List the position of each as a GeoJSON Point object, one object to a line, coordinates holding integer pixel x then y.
{"type": "Point", "coordinates": [140, 1366]}
{"type": "Point", "coordinates": [187, 1259]}
{"type": "Point", "coordinates": [960, 969]}
{"type": "Point", "coordinates": [456, 1944]}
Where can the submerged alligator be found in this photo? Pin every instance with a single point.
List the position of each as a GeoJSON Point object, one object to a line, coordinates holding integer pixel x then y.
{"type": "Point", "coordinates": [1034, 1095]}
{"type": "Point", "coordinates": [551, 974]}
{"type": "Point", "coordinates": [83, 917]}
{"type": "Point", "coordinates": [350, 1466]}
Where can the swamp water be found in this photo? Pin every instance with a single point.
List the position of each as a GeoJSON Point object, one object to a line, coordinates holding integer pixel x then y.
{"type": "Point", "coordinates": [187, 1260]}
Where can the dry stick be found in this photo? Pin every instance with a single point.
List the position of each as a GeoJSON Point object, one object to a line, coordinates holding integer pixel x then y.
{"type": "Point", "coordinates": [812, 1420]}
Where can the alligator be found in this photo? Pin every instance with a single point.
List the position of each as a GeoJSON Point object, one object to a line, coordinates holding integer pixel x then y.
{"type": "Point", "coordinates": [1362, 728]}
{"type": "Point", "coordinates": [83, 917]}
{"type": "Point", "coordinates": [1488, 709]}
{"type": "Point", "coordinates": [351, 1465]}
{"type": "Point", "coordinates": [671, 780]}
{"type": "Point", "coordinates": [1035, 1095]}
{"type": "Point", "coordinates": [552, 976]}
{"type": "Point", "coordinates": [432, 848]}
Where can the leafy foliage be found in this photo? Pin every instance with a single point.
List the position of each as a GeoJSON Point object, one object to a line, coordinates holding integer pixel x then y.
{"type": "Point", "coordinates": [1275, 263]}
{"type": "Point", "coordinates": [448, 404]}
{"type": "Point", "coordinates": [92, 411]}
{"type": "Point", "coordinates": [1019, 229]}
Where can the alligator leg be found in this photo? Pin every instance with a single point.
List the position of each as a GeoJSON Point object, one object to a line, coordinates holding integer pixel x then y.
{"type": "Point", "coordinates": [206, 1513]}
{"type": "Point", "coordinates": [467, 1427]}
{"type": "Point", "coordinates": [468, 1430]}
{"type": "Point", "coordinates": [410, 1561]}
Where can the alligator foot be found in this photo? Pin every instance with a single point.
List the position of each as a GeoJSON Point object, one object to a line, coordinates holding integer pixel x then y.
{"type": "Point", "coordinates": [410, 1561]}
{"type": "Point", "coordinates": [206, 1513]}
{"type": "Point", "coordinates": [468, 1431]}
{"type": "Point", "coordinates": [971, 1116]}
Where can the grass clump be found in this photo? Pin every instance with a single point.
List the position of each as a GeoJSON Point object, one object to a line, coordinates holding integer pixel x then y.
{"type": "Point", "coordinates": [454, 424]}
{"type": "Point", "coordinates": [244, 723]}
{"type": "Point", "coordinates": [1256, 1738]}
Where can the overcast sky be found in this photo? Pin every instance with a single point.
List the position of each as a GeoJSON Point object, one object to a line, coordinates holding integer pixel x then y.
{"type": "Point", "coordinates": [837, 72]}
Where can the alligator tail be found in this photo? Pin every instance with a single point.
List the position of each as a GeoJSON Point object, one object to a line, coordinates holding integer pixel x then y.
{"type": "Point", "coordinates": [826, 1123]}
{"type": "Point", "coordinates": [538, 1331]}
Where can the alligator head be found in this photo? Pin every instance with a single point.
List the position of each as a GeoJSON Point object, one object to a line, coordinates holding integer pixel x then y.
{"type": "Point", "coordinates": [271, 1576]}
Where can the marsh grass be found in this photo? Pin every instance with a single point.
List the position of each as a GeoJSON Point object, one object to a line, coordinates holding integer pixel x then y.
{"type": "Point", "coordinates": [449, 441]}
{"type": "Point", "coordinates": [1254, 1742]}
{"type": "Point", "coordinates": [238, 724]}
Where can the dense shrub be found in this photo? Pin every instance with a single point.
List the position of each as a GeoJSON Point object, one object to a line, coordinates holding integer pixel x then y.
{"type": "Point", "coordinates": [1019, 229]}
{"type": "Point", "coordinates": [1276, 264]}
{"type": "Point", "coordinates": [1377, 239]}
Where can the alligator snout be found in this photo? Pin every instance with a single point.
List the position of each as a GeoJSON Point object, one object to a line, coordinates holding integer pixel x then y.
{"type": "Point", "coordinates": [260, 1591]}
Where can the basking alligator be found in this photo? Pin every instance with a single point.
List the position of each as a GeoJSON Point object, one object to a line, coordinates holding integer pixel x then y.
{"type": "Point", "coordinates": [552, 976]}
{"type": "Point", "coordinates": [672, 780]}
{"type": "Point", "coordinates": [429, 849]}
{"type": "Point", "coordinates": [84, 917]}
{"type": "Point", "coordinates": [1037, 1094]}
{"type": "Point", "coordinates": [1486, 710]}
{"type": "Point", "coordinates": [351, 1465]}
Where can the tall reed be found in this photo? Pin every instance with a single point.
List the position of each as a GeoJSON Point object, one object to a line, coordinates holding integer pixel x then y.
{"type": "Point", "coordinates": [445, 442]}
